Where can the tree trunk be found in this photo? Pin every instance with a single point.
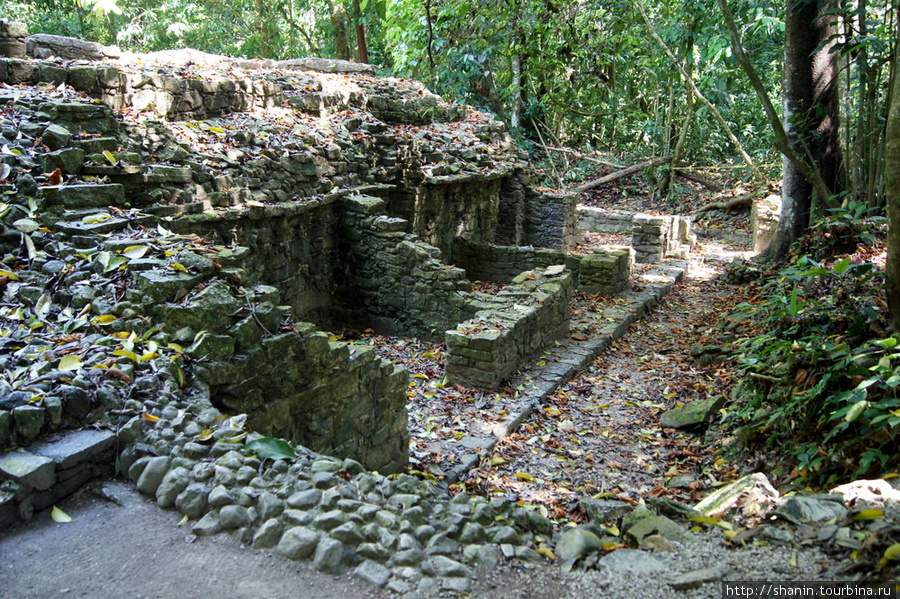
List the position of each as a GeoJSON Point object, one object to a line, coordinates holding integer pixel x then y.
{"type": "Point", "coordinates": [338, 15]}
{"type": "Point", "coordinates": [515, 110]}
{"type": "Point", "coordinates": [361, 46]}
{"type": "Point", "coordinates": [892, 190]}
{"type": "Point", "coordinates": [811, 118]}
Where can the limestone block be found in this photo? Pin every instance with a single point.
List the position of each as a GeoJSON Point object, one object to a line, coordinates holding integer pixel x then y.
{"type": "Point", "coordinates": [76, 447]}
{"type": "Point", "coordinates": [764, 216]}
{"type": "Point", "coordinates": [33, 471]}
{"type": "Point", "coordinates": [84, 196]}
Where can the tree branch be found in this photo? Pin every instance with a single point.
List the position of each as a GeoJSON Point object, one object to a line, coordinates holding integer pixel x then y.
{"type": "Point", "coordinates": [581, 155]}
{"type": "Point", "coordinates": [690, 83]}
{"type": "Point", "coordinates": [623, 173]}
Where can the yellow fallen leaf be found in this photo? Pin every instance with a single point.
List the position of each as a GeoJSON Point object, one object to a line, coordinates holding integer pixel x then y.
{"type": "Point", "coordinates": [104, 319]}
{"type": "Point", "coordinates": [149, 417]}
{"type": "Point", "coordinates": [148, 356]}
{"type": "Point", "coordinates": [730, 534]}
{"type": "Point", "coordinates": [70, 362]}
{"type": "Point", "coordinates": [127, 354]}
{"type": "Point", "coordinates": [547, 552]}
{"type": "Point", "coordinates": [524, 476]}
{"type": "Point", "coordinates": [59, 516]}
{"type": "Point", "coordinates": [891, 553]}
{"type": "Point", "coordinates": [869, 514]}
{"type": "Point", "coordinates": [178, 266]}
{"type": "Point", "coordinates": [183, 521]}
{"type": "Point", "coordinates": [9, 275]}
{"type": "Point", "coordinates": [609, 545]}
{"type": "Point", "coordinates": [205, 435]}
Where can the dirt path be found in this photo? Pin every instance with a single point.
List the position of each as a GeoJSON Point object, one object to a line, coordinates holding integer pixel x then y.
{"type": "Point", "coordinates": [601, 434]}
{"type": "Point", "coordinates": [135, 550]}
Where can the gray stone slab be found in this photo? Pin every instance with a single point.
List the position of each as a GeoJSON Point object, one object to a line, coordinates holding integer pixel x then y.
{"type": "Point", "coordinates": [37, 472]}
{"type": "Point", "coordinates": [76, 447]}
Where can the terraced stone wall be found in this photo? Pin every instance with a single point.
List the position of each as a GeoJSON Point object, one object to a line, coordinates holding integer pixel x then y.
{"type": "Point", "coordinates": [510, 328]}
{"type": "Point", "coordinates": [273, 227]}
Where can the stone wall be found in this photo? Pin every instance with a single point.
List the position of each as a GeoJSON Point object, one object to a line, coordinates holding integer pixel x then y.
{"type": "Point", "coordinates": [607, 270]}
{"type": "Point", "coordinates": [12, 38]}
{"type": "Point", "coordinates": [591, 218]}
{"type": "Point", "coordinates": [341, 400]}
{"type": "Point", "coordinates": [291, 246]}
{"type": "Point", "coordinates": [510, 328]}
{"type": "Point", "coordinates": [39, 475]}
{"type": "Point", "coordinates": [501, 263]}
{"type": "Point", "coordinates": [655, 237]}
{"type": "Point", "coordinates": [551, 220]}
{"type": "Point", "coordinates": [394, 281]}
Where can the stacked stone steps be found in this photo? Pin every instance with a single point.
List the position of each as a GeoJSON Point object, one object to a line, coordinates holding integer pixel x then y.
{"type": "Point", "coordinates": [37, 476]}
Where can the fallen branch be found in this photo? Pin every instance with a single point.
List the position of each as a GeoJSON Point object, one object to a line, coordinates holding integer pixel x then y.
{"type": "Point", "coordinates": [766, 377]}
{"type": "Point", "coordinates": [623, 173]}
{"type": "Point", "coordinates": [744, 200]}
{"type": "Point", "coordinates": [697, 179]}
{"type": "Point", "coordinates": [581, 155]}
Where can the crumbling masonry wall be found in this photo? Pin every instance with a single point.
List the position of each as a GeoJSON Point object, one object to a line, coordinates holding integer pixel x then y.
{"type": "Point", "coordinates": [510, 328]}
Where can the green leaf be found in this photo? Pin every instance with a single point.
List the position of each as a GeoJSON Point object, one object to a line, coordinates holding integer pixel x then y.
{"type": "Point", "coordinates": [841, 266]}
{"type": "Point", "coordinates": [59, 516]}
{"type": "Point", "coordinates": [272, 448]}
{"type": "Point", "coordinates": [856, 410]}
{"type": "Point", "coordinates": [889, 343]}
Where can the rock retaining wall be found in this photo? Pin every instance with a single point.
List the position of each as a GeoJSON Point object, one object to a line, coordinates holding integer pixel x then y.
{"type": "Point", "coordinates": [510, 328]}
{"type": "Point", "coordinates": [598, 219]}
{"type": "Point", "coordinates": [394, 280]}
{"type": "Point", "coordinates": [655, 237]}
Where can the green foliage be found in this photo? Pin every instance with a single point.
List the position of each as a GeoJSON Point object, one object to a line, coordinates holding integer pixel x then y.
{"type": "Point", "coordinates": [820, 377]}
{"type": "Point", "coordinates": [270, 448]}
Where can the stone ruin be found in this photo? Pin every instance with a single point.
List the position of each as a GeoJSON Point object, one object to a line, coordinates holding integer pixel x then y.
{"type": "Point", "coordinates": [182, 229]}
